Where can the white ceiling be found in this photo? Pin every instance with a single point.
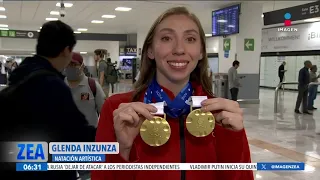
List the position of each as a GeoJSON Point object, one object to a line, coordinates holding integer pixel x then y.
{"type": "Point", "coordinates": [30, 15]}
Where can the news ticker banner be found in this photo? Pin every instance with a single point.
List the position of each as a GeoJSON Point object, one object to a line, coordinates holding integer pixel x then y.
{"type": "Point", "coordinates": [59, 151]}
{"type": "Point", "coordinates": [263, 166]}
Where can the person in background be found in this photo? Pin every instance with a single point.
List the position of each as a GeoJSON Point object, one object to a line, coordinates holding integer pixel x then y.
{"type": "Point", "coordinates": [109, 72]}
{"type": "Point", "coordinates": [304, 80]}
{"type": "Point", "coordinates": [99, 56]}
{"type": "Point", "coordinates": [233, 80]}
{"type": "Point", "coordinates": [174, 66]}
{"type": "Point", "coordinates": [38, 105]}
{"type": "Point", "coordinates": [281, 71]}
{"type": "Point", "coordinates": [313, 89]}
{"type": "Point", "coordinates": [87, 93]}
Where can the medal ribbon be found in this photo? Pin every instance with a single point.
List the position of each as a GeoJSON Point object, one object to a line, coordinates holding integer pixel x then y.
{"type": "Point", "coordinates": [180, 105]}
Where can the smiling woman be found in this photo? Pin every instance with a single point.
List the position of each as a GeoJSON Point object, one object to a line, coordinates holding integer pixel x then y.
{"type": "Point", "coordinates": [155, 122]}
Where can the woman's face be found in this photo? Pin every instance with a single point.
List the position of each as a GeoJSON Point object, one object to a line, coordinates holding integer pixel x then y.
{"type": "Point", "coordinates": [176, 48]}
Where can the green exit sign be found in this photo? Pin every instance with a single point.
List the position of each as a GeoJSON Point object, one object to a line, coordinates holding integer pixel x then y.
{"type": "Point", "coordinates": [12, 33]}
{"type": "Point", "coordinates": [4, 33]}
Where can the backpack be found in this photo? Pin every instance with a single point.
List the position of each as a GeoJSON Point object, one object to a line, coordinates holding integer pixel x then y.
{"type": "Point", "coordinates": [111, 74]}
{"type": "Point", "coordinates": [92, 84]}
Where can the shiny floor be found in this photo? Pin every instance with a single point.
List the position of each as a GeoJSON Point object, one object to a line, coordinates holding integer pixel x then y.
{"type": "Point", "coordinates": [280, 137]}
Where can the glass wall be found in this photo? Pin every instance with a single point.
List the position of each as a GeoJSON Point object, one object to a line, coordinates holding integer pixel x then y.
{"type": "Point", "coordinates": [269, 69]}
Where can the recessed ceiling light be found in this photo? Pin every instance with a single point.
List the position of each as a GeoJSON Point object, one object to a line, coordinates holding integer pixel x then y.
{"type": "Point", "coordinates": [67, 5]}
{"type": "Point", "coordinates": [123, 9]}
{"type": "Point", "coordinates": [108, 16]}
{"type": "Point", "coordinates": [77, 32]}
{"type": "Point", "coordinates": [4, 29]}
{"type": "Point", "coordinates": [52, 19]}
{"type": "Point", "coordinates": [262, 15]}
{"type": "Point", "coordinates": [38, 30]}
{"type": "Point", "coordinates": [97, 21]}
{"type": "Point", "coordinates": [4, 25]}
{"type": "Point", "coordinates": [2, 9]}
{"type": "Point", "coordinates": [54, 13]}
{"type": "Point", "coordinates": [83, 52]}
{"type": "Point", "coordinates": [82, 29]}
{"type": "Point", "coordinates": [208, 35]}
{"type": "Point", "coordinates": [3, 16]}
{"type": "Point", "coordinates": [40, 27]}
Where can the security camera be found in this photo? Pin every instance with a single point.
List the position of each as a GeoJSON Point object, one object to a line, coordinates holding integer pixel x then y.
{"type": "Point", "coordinates": [62, 13]}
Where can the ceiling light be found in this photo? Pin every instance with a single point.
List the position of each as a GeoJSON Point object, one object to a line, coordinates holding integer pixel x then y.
{"type": "Point", "coordinates": [67, 5]}
{"type": "Point", "coordinates": [4, 25]}
{"type": "Point", "coordinates": [6, 29]}
{"type": "Point", "coordinates": [97, 21]}
{"type": "Point", "coordinates": [77, 32]}
{"type": "Point", "coordinates": [2, 9]}
{"type": "Point", "coordinates": [208, 35]}
{"type": "Point", "coordinates": [3, 16]}
{"type": "Point", "coordinates": [38, 30]}
{"type": "Point", "coordinates": [108, 16]}
{"type": "Point", "coordinates": [33, 53]}
{"type": "Point", "coordinates": [123, 9]}
{"type": "Point", "coordinates": [40, 27]}
{"type": "Point", "coordinates": [82, 29]}
{"type": "Point", "coordinates": [312, 20]}
{"type": "Point", "coordinates": [52, 19]}
{"type": "Point", "coordinates": [83, 52]}
{"type": "Point", "coordinates": [54, 13]}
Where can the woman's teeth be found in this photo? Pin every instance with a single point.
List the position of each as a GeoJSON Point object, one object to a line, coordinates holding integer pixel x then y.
{"type": "Point", "coordinates": [175, 64]}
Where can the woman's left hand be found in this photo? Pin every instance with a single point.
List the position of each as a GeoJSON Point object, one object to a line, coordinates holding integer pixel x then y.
{"type": "Point", "coordinates": [228, 112]}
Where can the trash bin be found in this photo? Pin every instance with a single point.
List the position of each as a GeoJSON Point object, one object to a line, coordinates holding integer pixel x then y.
{"type": "Point", "coordinates": [221, 85]}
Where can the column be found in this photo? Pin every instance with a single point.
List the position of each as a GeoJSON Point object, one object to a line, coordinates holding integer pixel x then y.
{"type": "Point", "coordinates": [246, 48]}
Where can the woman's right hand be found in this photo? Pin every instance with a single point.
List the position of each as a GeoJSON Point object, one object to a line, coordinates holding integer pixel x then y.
{"type": "Point", "coordinates": [127, 120]}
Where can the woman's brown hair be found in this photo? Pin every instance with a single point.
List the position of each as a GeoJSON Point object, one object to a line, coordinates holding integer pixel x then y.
{"type": "Point", "coordinates": [148, 66]}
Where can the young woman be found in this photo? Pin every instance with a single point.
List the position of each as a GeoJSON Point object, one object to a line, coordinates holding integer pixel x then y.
{"type": "Point", "coordinates": [173, 60]}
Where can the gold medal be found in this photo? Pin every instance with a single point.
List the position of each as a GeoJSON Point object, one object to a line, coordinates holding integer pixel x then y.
{"type": "Point", "coordinates": [200, 124]}
{"type": "Point", "coordinates": [155, 132]}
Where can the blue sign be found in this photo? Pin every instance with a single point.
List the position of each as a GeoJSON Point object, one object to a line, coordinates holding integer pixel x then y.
{"type": "Point", "coordinates": [226, 54]}
{"type": "Point", "coordinates": [128, 51]}
{"type": "Point", "coordinates": [280, 166]}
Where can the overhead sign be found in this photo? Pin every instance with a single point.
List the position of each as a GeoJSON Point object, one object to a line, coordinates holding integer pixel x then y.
{"type": "Point", "coordinates": [306, 38]}
{"type": "Point", "coordinates": [226, 44]}
{"type": "Point", "coordinates": [128, 51]}
{"type": "Point", "coordinates": [305, 11]}
{"type": "Point", "coordinates": [19, 34]}
{"type": "Point", "coordinates": [249, 44]}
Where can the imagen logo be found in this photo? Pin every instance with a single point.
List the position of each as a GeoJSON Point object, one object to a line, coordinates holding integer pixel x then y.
{"type": "Point", "coordinates": [287, 23]}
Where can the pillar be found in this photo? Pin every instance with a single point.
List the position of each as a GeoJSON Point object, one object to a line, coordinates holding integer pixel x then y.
{"type": "Point", "coordinates": [250, 29]}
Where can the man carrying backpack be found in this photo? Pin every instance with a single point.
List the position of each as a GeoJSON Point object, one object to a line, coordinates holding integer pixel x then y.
{"type": "Point", "coordinates": [38, 105]}
{"type": "Point", "coordinates": [87, 93]}
{"type": "Point", "coordinates": [110, 75]}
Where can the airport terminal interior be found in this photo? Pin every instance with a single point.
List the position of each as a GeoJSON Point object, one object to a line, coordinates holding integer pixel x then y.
{"type": "Point", "coordinates": [261, 35]}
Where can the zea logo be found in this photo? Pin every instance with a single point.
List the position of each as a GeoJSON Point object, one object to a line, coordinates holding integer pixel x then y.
{"type": "Point", "coordinates": [287, 23]}
{"type": "Point", "coordinates": [32, 151]}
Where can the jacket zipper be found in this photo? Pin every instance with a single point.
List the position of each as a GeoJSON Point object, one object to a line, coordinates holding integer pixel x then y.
{"type": "Point", "coordinates": [182, 146]}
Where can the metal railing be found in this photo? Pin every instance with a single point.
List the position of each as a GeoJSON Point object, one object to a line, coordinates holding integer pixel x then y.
{"type": "Point", "coordinates": [276, 92]}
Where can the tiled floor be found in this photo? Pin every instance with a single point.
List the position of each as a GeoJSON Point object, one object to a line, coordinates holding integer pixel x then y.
{"type": "Point", "coordinates": [280, 137]}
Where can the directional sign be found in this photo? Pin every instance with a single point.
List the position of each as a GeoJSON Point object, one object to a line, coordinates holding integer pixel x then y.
{"type": "Point", "coordinates": [226, 44]}
{"type": "Point", "coordinates": [249, 44]}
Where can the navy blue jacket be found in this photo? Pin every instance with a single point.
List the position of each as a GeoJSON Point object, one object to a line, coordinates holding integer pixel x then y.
{"type": "Point", "coordinates": [304, 77]}
{"type": "Point", "coordinates": [44, 111]}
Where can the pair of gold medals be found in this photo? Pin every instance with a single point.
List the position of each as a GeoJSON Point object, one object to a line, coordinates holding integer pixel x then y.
{"type": "Point", "coordinates": [157, 131]}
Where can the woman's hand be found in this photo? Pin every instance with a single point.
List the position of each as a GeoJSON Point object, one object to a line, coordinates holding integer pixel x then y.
{"type": "Point", "coordinates": [228, 112]}
{"type": "Point", "coordinates": [127, 120]}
